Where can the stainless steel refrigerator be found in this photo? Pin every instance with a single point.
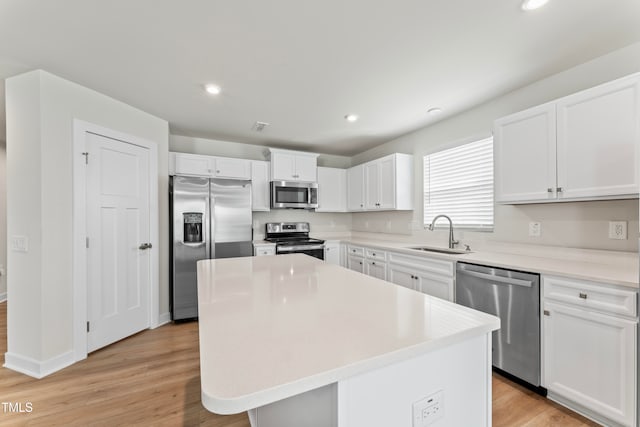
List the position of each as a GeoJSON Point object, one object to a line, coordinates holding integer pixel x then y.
{"type": "Point", "coordinates": [210, 218]}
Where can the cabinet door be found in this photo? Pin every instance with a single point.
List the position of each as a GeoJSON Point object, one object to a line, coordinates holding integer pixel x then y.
{"type": "Point", "coordinates": [403, 277]}
{"type": "Point", "coordinates": [437, 286]}
{"type": "Point", "coordinates": [283, 167]}
{"type": "Point", "coordinates": [232, 168]}
{"type": "Point", "coordinates": [306, 168]}
{"type": "Point", "coordinates": [372, 185]}
{"type": "Point", "coordinates": [332, 192]}
{"type": "Point", "coordinates": [376, 269]}
{"type": "Point", "coordinates": [332, 253]}
{"type": "Point", "coordinates": [190, 164]}
{"type": "Point", "coordinates": [524, 150]}
{"type": "Point", "coordinates": [260, 185]}
{"type": "Point", "coordinates": [355, 188]}
{"type": "Point", "coordinates": [589, 358]}
{"type": "Point", "coordinates": [598, 139]}
{"type": "Point", "coordinates": [355, 263]}
{"type": "Point", "coordinates": [387, 182]}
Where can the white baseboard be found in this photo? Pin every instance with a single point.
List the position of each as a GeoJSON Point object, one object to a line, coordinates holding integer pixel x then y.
{"type": "Point", "coordinates": [3, 297]}
{"type": "Point", "coordinates": [35, 368]}
{"type": "Point", "coordinates": [163, 319]}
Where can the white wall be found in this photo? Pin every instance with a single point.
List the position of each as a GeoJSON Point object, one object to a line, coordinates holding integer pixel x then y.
{"type": "Point", "coordinates": [582, 225]}
{"type": "Point", "coordinates": [3, 219]}
{"type": "Point", "coordinates": [40, 112]}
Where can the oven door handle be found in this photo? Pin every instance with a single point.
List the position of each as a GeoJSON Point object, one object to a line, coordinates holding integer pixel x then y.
{"type": "Point", "coordinates": [298, 248]}
{"type": "Point", "coordinates": [500, 279]}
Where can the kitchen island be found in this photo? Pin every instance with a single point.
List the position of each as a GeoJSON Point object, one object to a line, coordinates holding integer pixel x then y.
{"type": "Point", "coordinates": [299, 342]}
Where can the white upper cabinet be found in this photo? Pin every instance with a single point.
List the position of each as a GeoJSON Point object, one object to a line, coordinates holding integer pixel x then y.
{"type": "Point", "coordinates": [525, 155]}
{"type": "Point", "coordinates": [355, 188]}
{"type": "Point", "coordinates": [387, 184]}
{"type": "Point", "coordinates": [289, 165]}
{"type": "Point", "coordinates": [260, 185]}
{"type": "Point", "coordinates": [210, 166]}
{"type": "Point", "coordinates": [225, 167]}
{"type": "Point", "coordinates": [332, 190]}
{"type": "Point", "coordinates": [592, 136]}
{"type": "Point", "coordinates": [598, 139]}
{"type": "Point", "coordinates": [192, 164]}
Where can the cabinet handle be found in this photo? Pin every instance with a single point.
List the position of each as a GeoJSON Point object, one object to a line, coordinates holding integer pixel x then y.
{"type": "Point", "coordinates": [546, 313]}
{"type": "Point", "coordinates": [559, 189]}
{"type": "Point", "coordinates": [361, 205]}
{"type": "Point", "coordinates": [583, 296]}
{"type": "Point", "coordinates": [373, 263]}
{"type": "Point", "coordinates": [549, 190]}
{"type": "Point", "coordinates": [360, 262]}
{"type": "Point", "coordinates": [217, 171]}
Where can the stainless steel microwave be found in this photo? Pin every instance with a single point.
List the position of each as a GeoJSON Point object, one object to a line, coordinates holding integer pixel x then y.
{"type": "Point", "coordinates": [294, 195]}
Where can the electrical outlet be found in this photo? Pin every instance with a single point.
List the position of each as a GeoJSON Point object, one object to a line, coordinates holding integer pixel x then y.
{"type": "Point", "coordinates": [535, 229]}
{"type": "Point", "coordinates": [428, 410]}
{"type": "Point", "coordinates": [618, 230]}
{"type": "Point", "coordinates": [19, 243]}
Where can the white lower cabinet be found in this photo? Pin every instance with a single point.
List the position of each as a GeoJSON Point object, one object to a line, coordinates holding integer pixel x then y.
{"type": "Point", "coordinates": [262, 249]}
{"type": "Point", "coordinates": [377, 269]}
{"type": "Point", "coordinates": [589, 357]}
{"type": "Point", "coordinates": [332, 252]}
{"type": "Point", "coordinates": [355, 263]}
{"type": "Point", "coordinates": [427, 275]}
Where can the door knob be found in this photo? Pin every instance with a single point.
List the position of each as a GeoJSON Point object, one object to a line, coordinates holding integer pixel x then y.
{"type": "Point", "coordinates": [145, 246]}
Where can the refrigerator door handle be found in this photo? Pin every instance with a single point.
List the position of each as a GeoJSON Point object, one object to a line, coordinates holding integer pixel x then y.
{"type": "Point", "coordinates": [211, 246]}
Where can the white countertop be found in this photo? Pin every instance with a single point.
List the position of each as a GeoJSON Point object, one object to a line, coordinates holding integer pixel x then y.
{"type": "Point", "coordinates": [617, 268]}
{"type": "Point", "coordinates": [276, 326]}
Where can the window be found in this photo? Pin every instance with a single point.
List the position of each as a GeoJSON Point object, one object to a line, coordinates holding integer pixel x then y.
{"type": "Point", "coordinates": [458, 182]}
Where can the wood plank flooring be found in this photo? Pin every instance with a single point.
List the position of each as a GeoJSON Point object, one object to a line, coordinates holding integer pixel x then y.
{"type": "Point", "coordinates": [152, 379]}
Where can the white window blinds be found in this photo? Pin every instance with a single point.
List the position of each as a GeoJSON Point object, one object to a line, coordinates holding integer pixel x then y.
{"type": "Point", "coordinates": [458, 182]}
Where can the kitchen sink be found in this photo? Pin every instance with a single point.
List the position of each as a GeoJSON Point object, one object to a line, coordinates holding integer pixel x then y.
{"type": "Point", "coordinates": [440, 250]}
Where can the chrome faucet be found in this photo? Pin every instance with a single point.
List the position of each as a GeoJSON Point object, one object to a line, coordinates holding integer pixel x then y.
{"type": "Point", "coordinates": [452, 242]}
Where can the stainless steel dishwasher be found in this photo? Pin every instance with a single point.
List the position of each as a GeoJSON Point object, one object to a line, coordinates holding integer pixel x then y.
{"type": "Point", "coordinates": [514, 297]}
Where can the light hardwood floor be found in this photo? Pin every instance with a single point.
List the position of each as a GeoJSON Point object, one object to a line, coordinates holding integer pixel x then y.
{"type": "Point", "coordinates": [153, 379]}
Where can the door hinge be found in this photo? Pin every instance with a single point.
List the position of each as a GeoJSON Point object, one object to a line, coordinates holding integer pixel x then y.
{"type": "Point", "coordinates": [547, 313]}
{"type": "Point", "coordinates": [87, 243]}
{"type": "Point", "coordinates": [86, 157]}
{"type": "Point", "coordinates": [88, 327]}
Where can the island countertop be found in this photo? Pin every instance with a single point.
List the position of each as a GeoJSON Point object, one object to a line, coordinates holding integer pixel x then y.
{"type": "Point", "coordinates": [272, 327]}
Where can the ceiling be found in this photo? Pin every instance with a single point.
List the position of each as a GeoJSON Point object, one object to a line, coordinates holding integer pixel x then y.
{"type": "Point", "coordinates": [301, 66]}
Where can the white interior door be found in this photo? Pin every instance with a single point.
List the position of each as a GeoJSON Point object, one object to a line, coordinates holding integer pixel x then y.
{"type": "Point", "coordinates": [118, 227]}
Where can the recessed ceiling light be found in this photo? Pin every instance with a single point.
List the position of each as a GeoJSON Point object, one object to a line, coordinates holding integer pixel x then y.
{"type": "Point", "coordinates": [533, 4]}
{"type": "Point", "coordinates": [434, 110]}
{"type": "Point", "coordinates": [351, 117]}
{"type": "Point", "coordinates": [212, 89]}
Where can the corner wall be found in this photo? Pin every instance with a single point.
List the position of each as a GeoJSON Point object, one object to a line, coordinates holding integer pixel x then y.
{"type": "Point", "coordinates": [579, 224]}
{"type": "Point", "coordinates": [41, 109]}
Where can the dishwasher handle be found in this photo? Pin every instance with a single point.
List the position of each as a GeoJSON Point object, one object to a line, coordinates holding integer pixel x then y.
{"type": "Point", "coordinates": [500, 279]}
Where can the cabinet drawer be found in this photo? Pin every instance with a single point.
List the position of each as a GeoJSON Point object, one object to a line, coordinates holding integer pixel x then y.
{"type": "Point", "coordinates": [264, 250]}
{"type": "Point", "coordinates": [596, 296]}
{"type": "Point", "coordinates": [376, 254]}
{"type": "Point", "coordinates": [431, 265]}
{"type": "Point", "coordinates": [355, 251]}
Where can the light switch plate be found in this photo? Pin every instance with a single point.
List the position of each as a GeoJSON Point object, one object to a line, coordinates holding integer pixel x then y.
{"type": "Point", "coordinates": [535, 229]}
{"type": "Point", "coordinates": [618, 230]}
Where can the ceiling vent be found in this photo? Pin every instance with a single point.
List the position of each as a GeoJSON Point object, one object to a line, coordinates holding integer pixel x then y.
{"type": "Point", "coordinates": [259, 126]}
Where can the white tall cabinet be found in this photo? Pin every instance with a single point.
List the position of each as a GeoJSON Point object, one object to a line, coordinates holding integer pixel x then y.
{"type": "Point", "coordinates": [260, 185]}
{"type": "Point", "coordinates": [581, 147]}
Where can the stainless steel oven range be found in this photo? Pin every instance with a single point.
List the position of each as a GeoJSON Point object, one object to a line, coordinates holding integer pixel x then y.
{"type": "Point", "coordinates": [293, 238]}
